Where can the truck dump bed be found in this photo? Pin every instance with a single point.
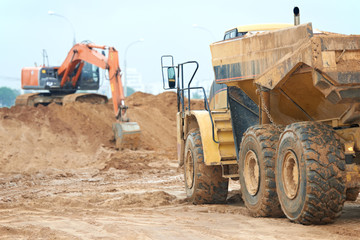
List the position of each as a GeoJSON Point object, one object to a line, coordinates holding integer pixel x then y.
{"type": "Point", "coordinates": [310, 76]}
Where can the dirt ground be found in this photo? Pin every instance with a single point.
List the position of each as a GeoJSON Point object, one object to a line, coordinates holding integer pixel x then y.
{"type": "Point", "coordinates": [61, 178]}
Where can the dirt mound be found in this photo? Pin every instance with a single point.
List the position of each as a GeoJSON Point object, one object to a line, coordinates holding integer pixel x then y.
{"type": "Point", "coordinates": [156, 115]}
{"type": "Point", "coordinates": [52, 137]}
{"type": "Point", "coordinates": [147, 199]}
{"type": "Point", "coordinates": [79, 134]}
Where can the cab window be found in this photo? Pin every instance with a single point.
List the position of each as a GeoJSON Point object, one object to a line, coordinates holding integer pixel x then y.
{"type": "Point", "coordinates": [227, 36]}
{"type": "Point", "coordinates": [231, 34]}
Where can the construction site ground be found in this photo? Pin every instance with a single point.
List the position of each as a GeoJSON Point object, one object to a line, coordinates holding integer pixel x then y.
{"type": "Point", "coordinates": [62, 178]}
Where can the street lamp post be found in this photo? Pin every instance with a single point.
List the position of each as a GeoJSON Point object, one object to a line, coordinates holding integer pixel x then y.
{"type": "Point", "coordinates": [125, 66]}
{"type": "Point", "coordinates": [207, 65]}
{"type": "Point", "coordinates": [205, 29]}
{"type": "Point", "coordinates": [72, 26]}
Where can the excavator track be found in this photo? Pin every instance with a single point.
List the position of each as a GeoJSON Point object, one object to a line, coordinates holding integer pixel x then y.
{"type": "Point", "coordinates": [34, 99]}
{"type": "Point", "coordinates": [85, 97]}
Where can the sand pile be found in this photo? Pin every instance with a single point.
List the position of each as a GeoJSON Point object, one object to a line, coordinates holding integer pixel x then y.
{"type": "Point", "coordinates": [79, 134]}
{"type": "Point", "coordinates": [156, 116]}
{"type": "Point", "coordinates": [52, 137]}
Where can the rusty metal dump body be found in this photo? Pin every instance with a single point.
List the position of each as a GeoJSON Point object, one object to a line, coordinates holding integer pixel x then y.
{"type": "Point", "coordinates": [311, 77]}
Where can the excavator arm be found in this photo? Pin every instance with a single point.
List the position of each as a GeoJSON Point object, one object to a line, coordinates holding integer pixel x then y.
{"type": "Point", "coordinates": [86, 52]}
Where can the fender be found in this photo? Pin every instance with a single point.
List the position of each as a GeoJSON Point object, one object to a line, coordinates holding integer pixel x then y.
{"type": "Point", "coordinates": [197, 119]}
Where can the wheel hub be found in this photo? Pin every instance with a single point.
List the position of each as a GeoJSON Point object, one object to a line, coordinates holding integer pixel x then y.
{"type": "Point", "coordinates": [251, 172]}
{"type": "Point", "coordinates": [189, 168]}
{"type": "Point", "coordinates": [290, 174]}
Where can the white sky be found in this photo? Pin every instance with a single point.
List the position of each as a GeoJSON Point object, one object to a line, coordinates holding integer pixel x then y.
{"type": "Point", "coordinates": [26, 28]}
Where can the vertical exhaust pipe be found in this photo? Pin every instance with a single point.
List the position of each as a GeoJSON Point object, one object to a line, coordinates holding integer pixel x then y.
{"type": "Point", "coordinates": [296, 16]}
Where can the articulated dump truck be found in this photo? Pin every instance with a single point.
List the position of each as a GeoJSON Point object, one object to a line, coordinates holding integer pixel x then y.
{"type": "Point", "coordinates": [286, 124]}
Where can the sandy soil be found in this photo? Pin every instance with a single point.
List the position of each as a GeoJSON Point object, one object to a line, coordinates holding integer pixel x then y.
{"type": "Point", "coordinates": [61, 178]}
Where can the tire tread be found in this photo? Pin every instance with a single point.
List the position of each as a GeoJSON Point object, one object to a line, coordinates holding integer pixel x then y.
{"type": "Point", "coordinates": [267, 136]}
{"type": "Point", "coordinates": [325, 165]}
{"type": "Point", "coordinates": [210, 186]}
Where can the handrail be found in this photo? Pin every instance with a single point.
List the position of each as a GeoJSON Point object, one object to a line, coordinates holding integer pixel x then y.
{"type": "Point", "coordinates": [181, 89]}
{"type": "Point", "coordinates": [207, 108]}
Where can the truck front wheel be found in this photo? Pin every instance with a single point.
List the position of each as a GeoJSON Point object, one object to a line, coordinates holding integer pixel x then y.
{"type": "Point", "coordinates": [203, 184]}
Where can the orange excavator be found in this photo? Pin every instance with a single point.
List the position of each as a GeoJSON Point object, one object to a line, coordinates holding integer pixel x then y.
{"type": "Point", "coordinates": [80, 71]}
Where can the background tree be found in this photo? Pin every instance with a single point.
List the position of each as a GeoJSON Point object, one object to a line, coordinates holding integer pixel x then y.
{"type": "Point", "coordinates": [8, 96]}
{"type": "Point", "coordinates": [197, 95]}
{"type": "Point", "coordinates": [129, 91]}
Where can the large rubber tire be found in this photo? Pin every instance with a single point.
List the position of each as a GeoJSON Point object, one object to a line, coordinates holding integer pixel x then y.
{"type": "Point", "coordinates": [257, 171]}
{"type": "Point", "coordinates": [203, 184]}
{"type": "Point", "coordinates": [310, 169]}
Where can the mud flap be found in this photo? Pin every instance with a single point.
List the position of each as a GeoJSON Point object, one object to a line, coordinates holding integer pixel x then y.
{"type": "Point", "coordinates": [127, 135]}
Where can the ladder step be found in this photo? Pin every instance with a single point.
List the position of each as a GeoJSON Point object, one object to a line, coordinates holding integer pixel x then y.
{"type": "Point", "coordinates": [225, 137]}
{"type": "Point", "coordinates": [224, 129]}
{"type": "Point", "coordinates": [228, 158]}
{"type": "Point", "coordinates": [226, 142]}
{"type": "Point", "coordinates": [220, 112]}
{"type": "Point", "coordinates": [222, 120]}
{"type": "Point", "coordinates": [229, 162]}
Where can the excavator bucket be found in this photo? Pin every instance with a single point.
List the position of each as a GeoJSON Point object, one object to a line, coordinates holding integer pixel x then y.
{"type": "Point", "coordinates": [127, 135]}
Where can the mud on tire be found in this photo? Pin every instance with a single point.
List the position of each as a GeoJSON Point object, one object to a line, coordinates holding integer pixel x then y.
{"type": "Point", "coordinates": [257, 170]}
{"type": "Point", "coordinates": [203, 184]}
{"type": "Point", "coordinates": [310, 177]}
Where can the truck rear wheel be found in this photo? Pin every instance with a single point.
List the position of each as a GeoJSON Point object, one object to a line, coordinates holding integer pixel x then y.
{"type": "Point", "coordinates": [256, 169]}
{"type": "Point", "coordinates": [310, 169]}
{"type": "Point", "coordinates": [203, 184]}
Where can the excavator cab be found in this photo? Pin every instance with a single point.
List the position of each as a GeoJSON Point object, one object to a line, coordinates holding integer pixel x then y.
{"type": "Point", "coordinates": [46, 78]}
{"type": "Point", "coordinates": [89, 77]}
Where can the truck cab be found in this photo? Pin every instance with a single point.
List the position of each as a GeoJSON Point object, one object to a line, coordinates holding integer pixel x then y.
{"type": "Point", "coordinates": [243, 30]}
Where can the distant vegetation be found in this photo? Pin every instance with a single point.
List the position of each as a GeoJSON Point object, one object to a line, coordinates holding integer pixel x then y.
{"type": "Point", "coordinates": [8, 96]}
{"type": "Point", "coordinates": [129, 91]}
{"type": "Point", "coordinates": [197, 95]}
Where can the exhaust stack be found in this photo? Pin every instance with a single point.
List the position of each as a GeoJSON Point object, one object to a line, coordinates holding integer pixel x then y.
{"type": "Point", "coordinates": [296, 16]}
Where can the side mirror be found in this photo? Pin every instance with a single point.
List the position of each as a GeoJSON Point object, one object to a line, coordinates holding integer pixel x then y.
{"type": "Point", "coordinates": [171, 77]}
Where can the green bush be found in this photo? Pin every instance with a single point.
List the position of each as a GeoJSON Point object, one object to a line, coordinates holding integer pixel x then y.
{"type": "Point", "coordinates": [8, 96]}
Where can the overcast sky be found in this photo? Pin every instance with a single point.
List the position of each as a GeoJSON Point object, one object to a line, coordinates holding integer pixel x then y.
{"type": "Point", "coordinates": [166, 27]}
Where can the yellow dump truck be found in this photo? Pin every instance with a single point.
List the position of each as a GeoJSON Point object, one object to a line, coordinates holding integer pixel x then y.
{"type": "Point", "coordinates": [284, 121]}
